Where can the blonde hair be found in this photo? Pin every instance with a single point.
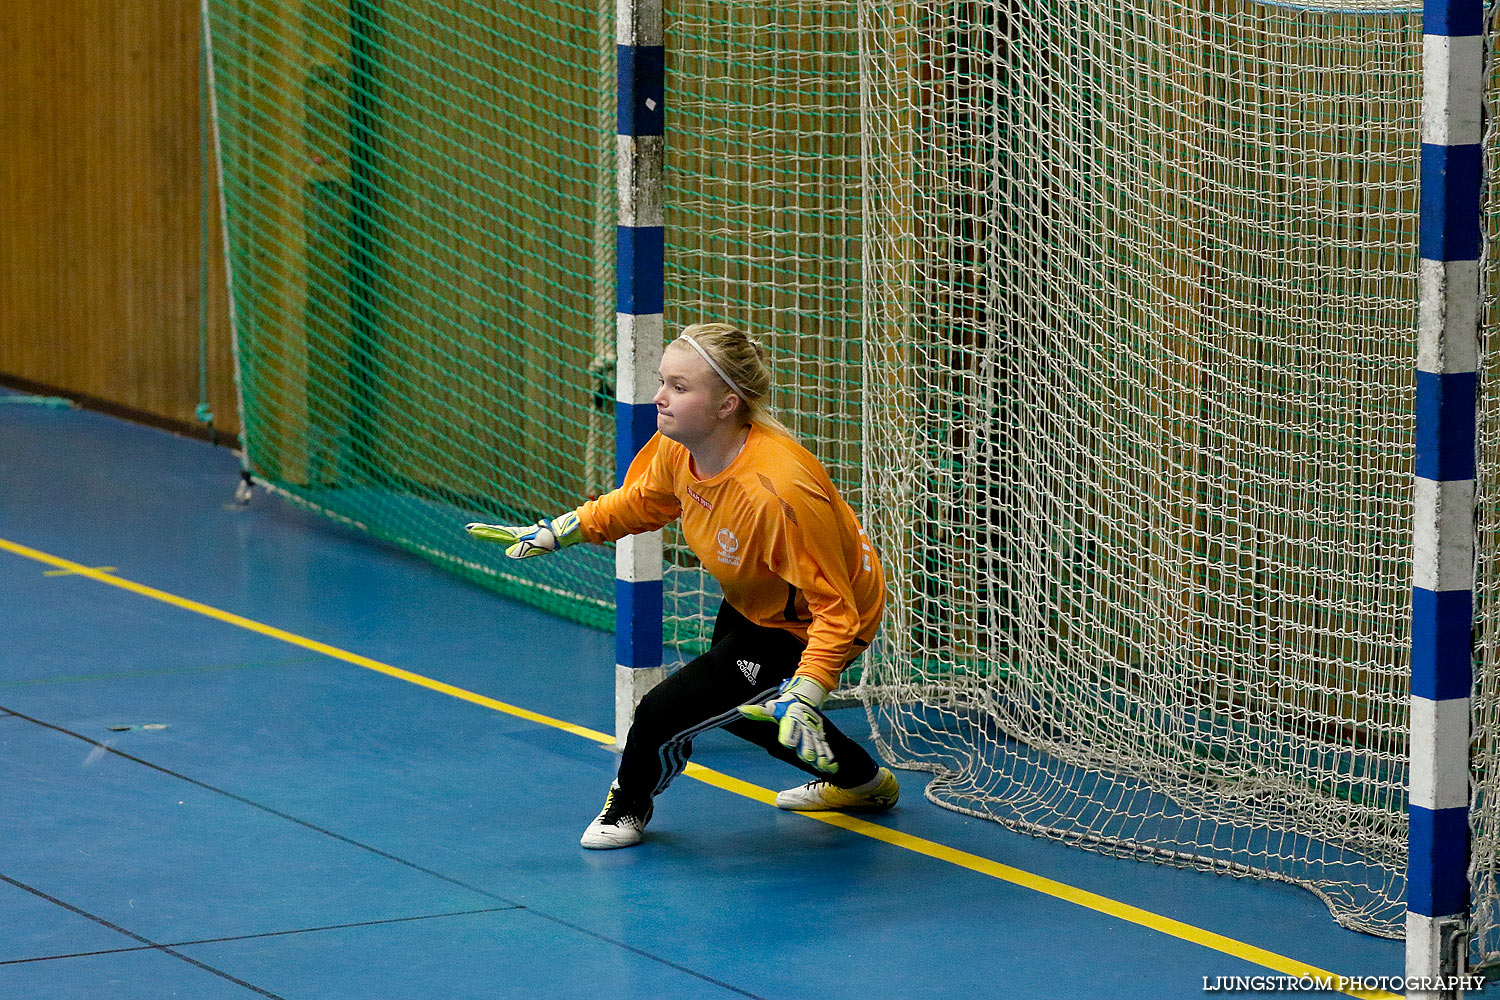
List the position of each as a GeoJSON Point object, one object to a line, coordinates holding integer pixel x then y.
{"type": "Point", "coordinates": [743, 364]}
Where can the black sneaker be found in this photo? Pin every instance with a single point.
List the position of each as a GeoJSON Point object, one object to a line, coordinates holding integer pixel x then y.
{"type": "Point", "coordinates": [621, 824]}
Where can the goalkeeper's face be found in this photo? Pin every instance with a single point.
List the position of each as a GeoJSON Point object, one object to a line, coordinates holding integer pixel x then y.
{"type": "Point", "coordinates": [692, 404]}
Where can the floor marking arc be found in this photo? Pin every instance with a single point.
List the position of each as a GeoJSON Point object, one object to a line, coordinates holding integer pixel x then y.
{"type": "Point", "coordinates": [510, 904]}
{"type": "Point", "coordinates": [940, 852]}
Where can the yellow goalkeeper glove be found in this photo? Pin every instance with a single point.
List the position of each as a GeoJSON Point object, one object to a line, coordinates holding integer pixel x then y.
{"type": "Point", "coordinates": [547, 535]}
{"type": "Point", "coordinates": [795, 710]}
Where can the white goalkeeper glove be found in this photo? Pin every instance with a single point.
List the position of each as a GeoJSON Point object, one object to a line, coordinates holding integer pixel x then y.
{"type": "Point", "coordinates": [795, 710]}
{"type": "Point", "coordinates": [547, 535]}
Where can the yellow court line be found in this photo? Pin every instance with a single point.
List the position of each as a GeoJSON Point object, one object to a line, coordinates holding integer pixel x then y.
{"type": "Point", "coordinates": [940, 852]}
{"type": "Point", "coordinates": [298, 640]}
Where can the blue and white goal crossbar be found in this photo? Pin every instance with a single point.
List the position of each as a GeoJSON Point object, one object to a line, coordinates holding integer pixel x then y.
{"type": "Point", "coordinates": [1437, 894]}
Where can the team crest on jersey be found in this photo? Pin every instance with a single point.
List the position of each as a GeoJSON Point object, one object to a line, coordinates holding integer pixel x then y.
{"type": "Point", "coordinates": [729, 545]}
{"type": "Point", "coordinates": [701, 502]}
{"type": "Point", "coordinates": [750, 669]}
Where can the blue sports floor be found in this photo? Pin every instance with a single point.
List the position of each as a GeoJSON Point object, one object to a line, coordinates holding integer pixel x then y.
{"type": "Point", "coordinates": [348, 775]}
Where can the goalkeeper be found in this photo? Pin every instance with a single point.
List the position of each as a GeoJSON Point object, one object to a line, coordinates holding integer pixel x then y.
{"type": "Point", "coordinates": [803, 588]}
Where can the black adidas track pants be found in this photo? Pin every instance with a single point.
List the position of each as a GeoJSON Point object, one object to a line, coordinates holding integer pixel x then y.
{"type": "Point", "coordinates": [747, 662]}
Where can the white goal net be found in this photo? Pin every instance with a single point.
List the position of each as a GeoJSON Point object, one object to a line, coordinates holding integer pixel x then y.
{"type": "Point", "coordinates": [1139, 343]}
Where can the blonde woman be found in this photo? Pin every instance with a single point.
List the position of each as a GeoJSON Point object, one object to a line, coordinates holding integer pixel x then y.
{"type": "Point", "coordinates": [803, 587]}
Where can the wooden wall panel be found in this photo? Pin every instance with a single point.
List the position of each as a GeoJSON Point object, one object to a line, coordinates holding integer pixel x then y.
{"type": "Point", "coordinates": [100, 229]}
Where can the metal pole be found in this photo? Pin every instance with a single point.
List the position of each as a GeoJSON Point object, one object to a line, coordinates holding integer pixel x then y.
{"type": "Point", "coordinates": [1437, 890]}
{"type": "Point", "coordinates": [640, 283]}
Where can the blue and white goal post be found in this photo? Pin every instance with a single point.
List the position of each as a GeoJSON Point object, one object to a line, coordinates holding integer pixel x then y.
{"type": "Point", "coordinates": [640, 285]}
{"type": "Point", "coordinates": [1437, 889]}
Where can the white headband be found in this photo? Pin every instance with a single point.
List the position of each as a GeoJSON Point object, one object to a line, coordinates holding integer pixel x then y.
{"type": "Point", "coordinates": [719, 371]}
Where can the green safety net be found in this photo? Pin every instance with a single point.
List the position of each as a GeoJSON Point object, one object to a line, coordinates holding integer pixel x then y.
{"type": "Point", "coordinates": [420, 205]}
{"type": "Point", "coordinates": [420, 214]}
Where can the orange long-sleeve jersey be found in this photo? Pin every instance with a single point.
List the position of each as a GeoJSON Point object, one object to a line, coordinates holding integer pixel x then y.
{"type": "Point", "coordinates": [786, 549]}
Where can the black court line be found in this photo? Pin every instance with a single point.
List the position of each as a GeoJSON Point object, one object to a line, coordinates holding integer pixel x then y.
{"type": "Point", "coordinates": [150, 945]}
{"type": "Point", "coordinates": [508, 903]}
{"type": "Point", "coordinates": [252, 937]}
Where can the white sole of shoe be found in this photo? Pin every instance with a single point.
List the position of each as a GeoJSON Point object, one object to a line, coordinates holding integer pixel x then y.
{"type": "Point", "coordinates": [606, 845]}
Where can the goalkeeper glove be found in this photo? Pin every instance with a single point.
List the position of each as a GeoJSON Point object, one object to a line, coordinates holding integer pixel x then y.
{"type": "Point", "coordinates": [547, 535]}
{"type": "Point", "coordinates": [800, 724]}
